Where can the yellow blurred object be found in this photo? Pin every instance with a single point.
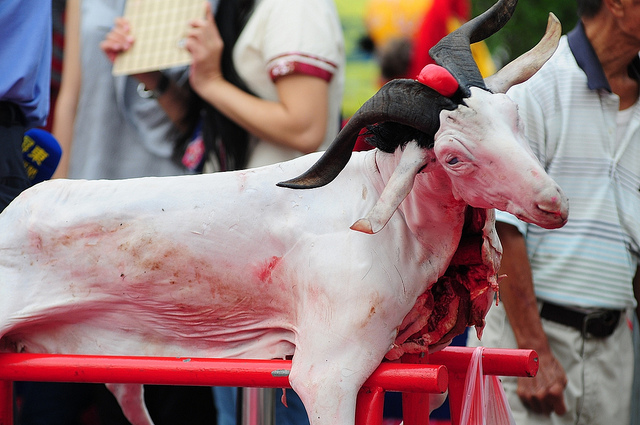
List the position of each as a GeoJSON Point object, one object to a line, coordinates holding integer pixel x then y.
{"type": "Point", "coordinates": [386, 20]}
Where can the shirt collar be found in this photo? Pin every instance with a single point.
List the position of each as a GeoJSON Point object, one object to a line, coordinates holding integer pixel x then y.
{"type": "Point", "coordinates": [588, 60]}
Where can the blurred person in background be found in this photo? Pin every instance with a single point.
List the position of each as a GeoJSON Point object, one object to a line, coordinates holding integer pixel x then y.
{"type": "Point", "coordinates": [401, 32]}
{"type": "Point", "coordinates": [270, 78]}
{"type": "Point", "coordinates": [114, 127]}
{"type": "Point", "coordinates": [25, 75]}
{"type": "Point", "coordinates": [111, 127]}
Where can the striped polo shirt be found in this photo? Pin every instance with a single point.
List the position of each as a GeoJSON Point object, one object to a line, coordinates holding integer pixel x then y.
{"type": "Point", "coordinates": [570, 119]}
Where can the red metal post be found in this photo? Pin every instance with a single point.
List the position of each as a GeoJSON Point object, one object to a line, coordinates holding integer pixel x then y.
{"type": "Point", "coordinates": [6, 402]}
{"type": "Point", "coordinates": [370, 406]}
{"type": "Point", "coordinates": [456, 395]}
{"type": "Point", "coordinates": [415, 406]}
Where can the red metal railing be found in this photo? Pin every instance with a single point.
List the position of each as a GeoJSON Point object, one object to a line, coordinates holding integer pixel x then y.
{"type": "Point", "coordinates": [446, 370]}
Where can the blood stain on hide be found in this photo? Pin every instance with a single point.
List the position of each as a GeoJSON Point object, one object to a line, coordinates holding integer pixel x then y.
{"type": "Point", "coordinates": [264, 273]}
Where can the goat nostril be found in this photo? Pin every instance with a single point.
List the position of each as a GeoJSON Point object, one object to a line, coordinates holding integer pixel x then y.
{"type": "Point", "coordinates": [556, 206]}
{"type": "Point", "coordinates": [551, 206]}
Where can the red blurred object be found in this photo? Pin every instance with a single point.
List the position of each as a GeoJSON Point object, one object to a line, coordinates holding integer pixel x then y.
{"type": "Point", "coordinates": [433, 28]}
{"type": "Point", "coordinates": [439, 79]}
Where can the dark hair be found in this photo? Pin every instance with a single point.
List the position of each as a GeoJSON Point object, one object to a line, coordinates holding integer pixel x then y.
{"type": "Point", "coordinates": [588, 8]}
{"type": "Point", "coordinates": [221, 136]}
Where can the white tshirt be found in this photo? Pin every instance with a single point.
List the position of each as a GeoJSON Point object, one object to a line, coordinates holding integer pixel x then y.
{"type": "Point", "coordinates": [592, 150]}
{"type": "Point", "coordinates": [284, 37]}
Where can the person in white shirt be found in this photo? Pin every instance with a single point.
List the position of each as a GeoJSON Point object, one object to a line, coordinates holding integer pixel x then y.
{"type": "Point", "coordinates": [568, 292]}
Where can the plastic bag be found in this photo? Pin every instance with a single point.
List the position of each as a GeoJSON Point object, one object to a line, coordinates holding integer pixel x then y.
{"type": "Point", "coordinates": [484, 402]}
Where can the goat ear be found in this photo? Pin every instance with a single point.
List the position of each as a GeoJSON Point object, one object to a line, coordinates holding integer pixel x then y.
{"type": "Point", "coordinates": [522, 68]}
{"type": "Point", "coordinates": [439, 79]}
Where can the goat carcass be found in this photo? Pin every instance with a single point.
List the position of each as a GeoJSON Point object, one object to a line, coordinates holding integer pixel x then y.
{"type": "Point", "coordinates": [231, 265]}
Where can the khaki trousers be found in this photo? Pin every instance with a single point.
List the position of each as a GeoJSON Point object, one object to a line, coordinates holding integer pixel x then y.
{"type": "Point", "coordinates": [599, 372]}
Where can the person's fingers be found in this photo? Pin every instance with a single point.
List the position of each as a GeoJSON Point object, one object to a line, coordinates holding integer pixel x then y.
{"type": "Point", "coordinates": [555, 398]}
{"type": "Point", "coordinates": [208, 12]}
{"type": "Point", "coordinates": [122, 24]}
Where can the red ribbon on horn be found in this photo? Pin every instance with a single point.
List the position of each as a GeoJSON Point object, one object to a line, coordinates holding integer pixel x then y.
{"type": "Point", "coordinates": [439, 79]}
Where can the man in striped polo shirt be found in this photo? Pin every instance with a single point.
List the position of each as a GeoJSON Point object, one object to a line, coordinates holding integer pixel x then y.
{"type": "Point", "coordinates": [569, 293]}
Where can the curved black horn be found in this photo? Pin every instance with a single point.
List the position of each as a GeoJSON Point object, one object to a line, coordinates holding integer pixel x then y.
{"type": "Point", "coordinates": [453, 52]}
{"type": "Point", "coordinates": [402, 101]}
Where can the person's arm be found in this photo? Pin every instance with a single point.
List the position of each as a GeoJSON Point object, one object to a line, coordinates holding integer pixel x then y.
{"type": "Point", "coordinates": [543, 393]}
{"type": "Point", "coordinates": [67, 101]}
{"type": "Point", "coordinates": [297, 120]}
{"type": "Point", "coordinates": [175, 98]}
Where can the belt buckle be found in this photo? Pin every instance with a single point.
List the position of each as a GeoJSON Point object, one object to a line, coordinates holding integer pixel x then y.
{"type": "Point", "coordinates": [600, 324]}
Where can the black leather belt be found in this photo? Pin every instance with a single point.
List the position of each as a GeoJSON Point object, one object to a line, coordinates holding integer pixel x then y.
{"type": "Point", "coordinates": [597, 323]}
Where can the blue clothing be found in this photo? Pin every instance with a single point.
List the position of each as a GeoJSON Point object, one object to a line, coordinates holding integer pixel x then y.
{"type": "Point", "coordinates": [25, 57]}
{"type": "Point", "coordinates": [25, 69]}
{"type": "Point", "coordinates": [225, 399]}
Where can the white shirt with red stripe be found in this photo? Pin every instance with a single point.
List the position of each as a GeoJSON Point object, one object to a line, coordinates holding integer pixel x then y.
{"type": "Point", "coordinates": [284, 37]}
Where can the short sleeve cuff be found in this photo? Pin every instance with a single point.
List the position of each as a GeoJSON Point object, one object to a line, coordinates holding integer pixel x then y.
{"type": "Point", "coordinates": [295, 63]}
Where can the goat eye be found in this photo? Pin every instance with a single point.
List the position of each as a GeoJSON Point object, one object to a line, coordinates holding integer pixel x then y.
{"type": "Point", "coordinates": [453, 161]}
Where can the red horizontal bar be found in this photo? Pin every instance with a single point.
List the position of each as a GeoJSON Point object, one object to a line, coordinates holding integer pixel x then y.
{"type": "Point", "coordinates": [199, 371]}
{"type": "Point", "coordinates": [495, 361]}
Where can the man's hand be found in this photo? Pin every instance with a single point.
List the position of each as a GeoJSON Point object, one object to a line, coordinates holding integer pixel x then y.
{"type": "Point", "coordinates": [544, 393]}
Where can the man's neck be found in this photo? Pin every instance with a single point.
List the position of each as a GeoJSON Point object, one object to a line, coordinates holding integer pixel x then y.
{"type": "Point", "coordinates": [615, 52]}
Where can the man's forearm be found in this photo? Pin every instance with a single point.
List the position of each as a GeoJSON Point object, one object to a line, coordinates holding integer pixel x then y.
{"type": "Point", "coordinates": [516, 290]}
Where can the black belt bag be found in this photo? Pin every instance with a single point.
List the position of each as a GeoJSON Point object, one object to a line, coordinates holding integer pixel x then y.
{"type": "Point", "coordinates": [597, 323]}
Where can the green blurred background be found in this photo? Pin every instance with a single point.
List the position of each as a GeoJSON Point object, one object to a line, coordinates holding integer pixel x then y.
{"type": "Point", "coordinates": [521, 33]}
